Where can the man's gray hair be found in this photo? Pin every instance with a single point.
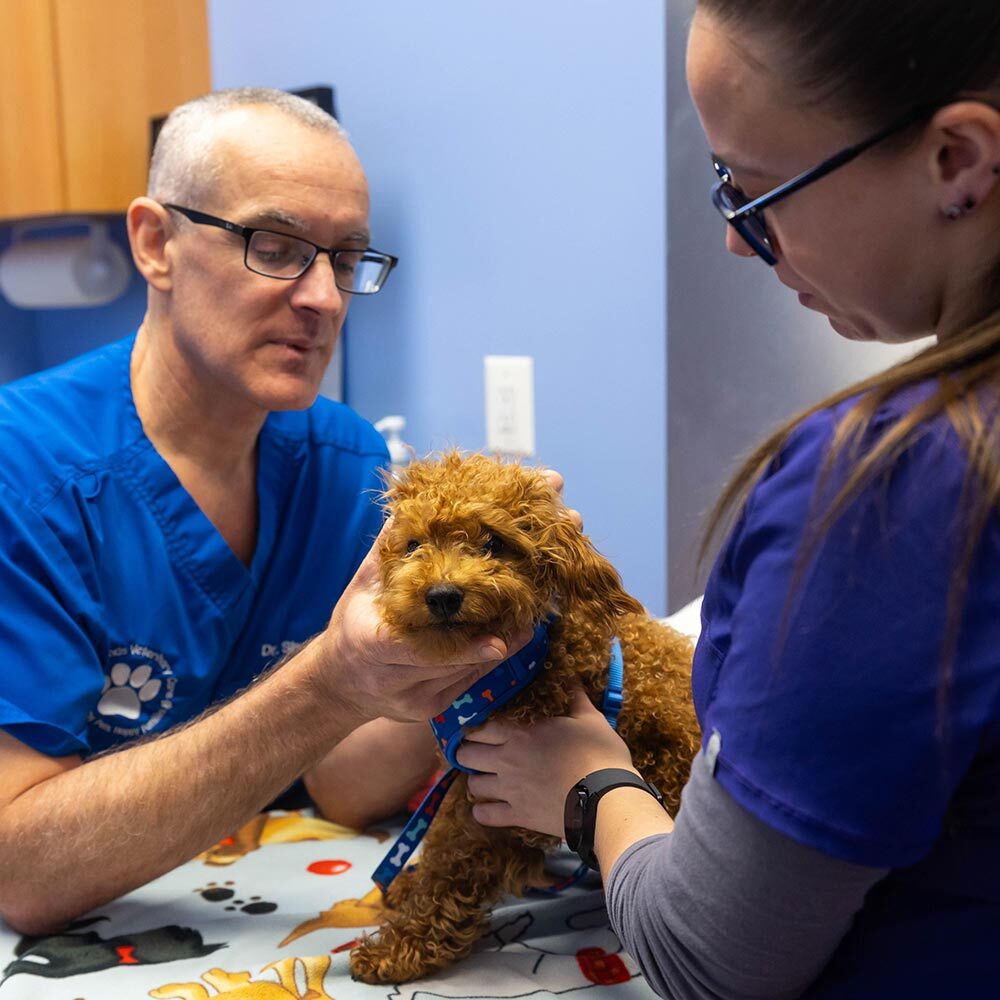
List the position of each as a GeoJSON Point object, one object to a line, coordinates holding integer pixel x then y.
{"type": "Point", "coordinates": [184, 167]}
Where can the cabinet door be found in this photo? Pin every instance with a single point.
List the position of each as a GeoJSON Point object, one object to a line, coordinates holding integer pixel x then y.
{"type": "Point", "coordinates": [122, 62]}
{"type": "Point", "coordinates": [30, 148]}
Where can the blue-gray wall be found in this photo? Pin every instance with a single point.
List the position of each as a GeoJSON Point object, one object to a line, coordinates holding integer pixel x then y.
{"type": "Point", "coordinates": [516, 157]}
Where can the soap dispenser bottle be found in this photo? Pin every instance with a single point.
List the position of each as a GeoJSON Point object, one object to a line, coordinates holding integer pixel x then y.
{"type": "Point", "coordinates": [400, 453]}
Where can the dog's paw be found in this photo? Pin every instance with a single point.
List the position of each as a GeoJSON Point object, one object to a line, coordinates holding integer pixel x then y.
{"type": "Point", "coordinates": [400, 888]}
{"type": "Point", "coordinates": [373, 962]}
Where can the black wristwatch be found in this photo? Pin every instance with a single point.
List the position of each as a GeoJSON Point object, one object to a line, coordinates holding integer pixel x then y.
{"type": "Point", "coordinates": [580, 815]}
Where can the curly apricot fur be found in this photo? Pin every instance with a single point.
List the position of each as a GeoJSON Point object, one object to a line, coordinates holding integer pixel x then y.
{"type": "Point", "coordinates": [447, 516]}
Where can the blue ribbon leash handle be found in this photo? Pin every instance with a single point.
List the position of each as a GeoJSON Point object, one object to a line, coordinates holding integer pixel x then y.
{"type": "Point", "coordinates": [472, 708]}
{"type": "Point", "coordinates": [406, 843]}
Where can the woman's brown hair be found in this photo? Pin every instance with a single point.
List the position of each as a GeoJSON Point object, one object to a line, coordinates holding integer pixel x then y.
{"type": "Point", "coordinates": [872, 61]}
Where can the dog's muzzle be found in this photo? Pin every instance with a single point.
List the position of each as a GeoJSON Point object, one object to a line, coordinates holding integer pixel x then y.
{"type": "Point", "coordinates": [444, 600]}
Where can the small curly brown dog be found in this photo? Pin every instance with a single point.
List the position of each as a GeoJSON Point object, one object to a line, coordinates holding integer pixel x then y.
{"type": "Point", "coordinates": [478, 546]}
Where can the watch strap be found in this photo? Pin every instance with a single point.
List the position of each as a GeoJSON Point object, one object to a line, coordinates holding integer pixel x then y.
{"type": "Point", "coordinates": [589, 790]}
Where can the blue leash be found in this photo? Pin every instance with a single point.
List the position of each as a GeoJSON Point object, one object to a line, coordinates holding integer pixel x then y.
{"type": "Point", "coordinates": [472, 709]}
{"type": "Point", "coordinates": [489, 693]}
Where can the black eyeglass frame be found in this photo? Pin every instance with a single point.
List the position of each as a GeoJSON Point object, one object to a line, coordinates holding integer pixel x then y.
{"type": "Point", "coordinates": [247, 232]}
{"type": "Point", "coordinates": [747, 215]}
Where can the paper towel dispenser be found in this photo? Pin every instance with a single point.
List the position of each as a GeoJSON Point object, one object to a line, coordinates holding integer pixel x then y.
{"type": "Point", "coordinates": [46, 267]}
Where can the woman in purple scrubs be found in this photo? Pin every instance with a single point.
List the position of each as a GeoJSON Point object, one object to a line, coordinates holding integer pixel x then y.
{"type": "Point", "coordinates": [840, 832]}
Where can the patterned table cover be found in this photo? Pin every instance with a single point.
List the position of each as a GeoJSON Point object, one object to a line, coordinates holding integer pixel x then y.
{"type": "Point", "coordinates": [271, 914]}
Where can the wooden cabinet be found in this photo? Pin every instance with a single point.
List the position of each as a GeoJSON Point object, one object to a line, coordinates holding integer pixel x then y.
{"type": "Point", "coordinates": [31, 166]}
{"type": "Point", "coordinates": [79, 82]}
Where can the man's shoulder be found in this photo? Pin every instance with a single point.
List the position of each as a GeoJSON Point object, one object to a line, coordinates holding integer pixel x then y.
{"type": "Point", "coordinates": [65, 419]}
{"type": "Point", "coordinates": [330, 425]}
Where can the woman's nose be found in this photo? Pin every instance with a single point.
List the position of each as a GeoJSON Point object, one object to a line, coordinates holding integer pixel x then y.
{"type": "Point", "coordinates": [736, 244]}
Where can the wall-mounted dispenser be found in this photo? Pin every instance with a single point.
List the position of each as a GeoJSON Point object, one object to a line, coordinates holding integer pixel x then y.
{"type": "Point", "coordinates": [40, 271]}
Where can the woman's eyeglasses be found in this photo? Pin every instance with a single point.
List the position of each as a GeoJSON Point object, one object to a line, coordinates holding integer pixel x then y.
{"type": "Point", "coordinates": [746, 216]}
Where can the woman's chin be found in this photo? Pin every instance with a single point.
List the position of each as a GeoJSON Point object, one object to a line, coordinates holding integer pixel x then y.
{"type": "Point", "coordinates": [850, 332]}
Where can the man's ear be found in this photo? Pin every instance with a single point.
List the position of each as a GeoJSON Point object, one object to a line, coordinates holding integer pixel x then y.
{"type": "Point", "coordinates": [966, 157]}
{"type": "Point", "coordinates": [149, 231]}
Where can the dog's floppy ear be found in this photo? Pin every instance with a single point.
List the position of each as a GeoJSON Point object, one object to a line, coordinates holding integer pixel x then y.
{"type": "Point", "coordinates": [581, 576]}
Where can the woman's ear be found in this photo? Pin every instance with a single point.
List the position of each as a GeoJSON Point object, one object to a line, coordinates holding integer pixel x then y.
{"type": "Point", "coordinates": [149, 231]}
{"type": "Point", "coordinates": [966, 163]}
{"type": "Point", "coordinates": [581, 577]}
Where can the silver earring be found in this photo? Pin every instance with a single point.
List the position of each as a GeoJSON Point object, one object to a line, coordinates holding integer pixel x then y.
{"type": "Point", "coordinates": [957, 210]}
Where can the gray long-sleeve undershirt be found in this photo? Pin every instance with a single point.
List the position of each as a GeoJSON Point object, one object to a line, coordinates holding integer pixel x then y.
{"type": "Point", "coordinates": [727, 907]}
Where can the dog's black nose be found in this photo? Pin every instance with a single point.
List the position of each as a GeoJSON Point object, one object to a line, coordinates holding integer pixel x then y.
{"type": "Point", "coordinates": [444, 599]}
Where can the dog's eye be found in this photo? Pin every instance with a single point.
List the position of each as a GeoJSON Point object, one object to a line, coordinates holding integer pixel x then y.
{"type": "Point", "coordinates": [494, 546]}
{"type": "Point", "coordinates": [412, 545]}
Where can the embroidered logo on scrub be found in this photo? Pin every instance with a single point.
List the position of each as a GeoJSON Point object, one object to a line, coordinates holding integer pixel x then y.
{"type": "Point", "coordinates": [138, 691]}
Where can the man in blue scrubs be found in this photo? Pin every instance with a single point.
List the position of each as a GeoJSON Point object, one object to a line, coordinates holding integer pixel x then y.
{"type": "Point", "coordinates": [178, 511]}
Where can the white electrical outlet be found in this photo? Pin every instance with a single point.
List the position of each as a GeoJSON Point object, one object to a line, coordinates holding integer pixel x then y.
{"type": "Point", "coordinates": [510, 404]}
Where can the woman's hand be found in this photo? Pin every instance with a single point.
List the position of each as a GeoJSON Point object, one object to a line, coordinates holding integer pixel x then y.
{"type": "Point", "coordinates": [530, 769]}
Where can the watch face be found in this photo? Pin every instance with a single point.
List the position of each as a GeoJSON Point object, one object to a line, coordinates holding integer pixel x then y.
{"type": "Point", "coordinates": [573, 816]}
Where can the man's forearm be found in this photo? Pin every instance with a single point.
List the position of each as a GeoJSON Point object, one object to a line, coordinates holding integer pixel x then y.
{"type": "Point", "coordinates": [86, 836]}
{"type": "Point", "coordinates": [371, 774]}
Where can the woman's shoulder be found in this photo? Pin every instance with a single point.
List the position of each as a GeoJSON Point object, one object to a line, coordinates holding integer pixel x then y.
{"type": "Point", "coordinates": [822, 653]}
{"type": "Point", "coordinates": [879, 414]}
{"type": "Point", "coordinates": [854, 429]}
{"type": "Point", "coordinates": [897, 492]}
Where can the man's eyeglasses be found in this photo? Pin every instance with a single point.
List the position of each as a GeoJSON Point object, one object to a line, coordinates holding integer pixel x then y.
{"type": "Point", "coordinates": [278, 255]}
{"type": "Point", "coordinates": [747, 217]}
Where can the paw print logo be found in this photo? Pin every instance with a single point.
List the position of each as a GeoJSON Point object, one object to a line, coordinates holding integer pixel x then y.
{"type": "Point", "coordinates": [127, 689]}
{"type": "Point", "coordinates": [254, 905]}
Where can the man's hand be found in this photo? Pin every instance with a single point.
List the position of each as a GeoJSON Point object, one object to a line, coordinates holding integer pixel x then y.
{"type": "Point", "coordinates": [372, 674]}
{"type": "Point", "coordinates": [557, 483]}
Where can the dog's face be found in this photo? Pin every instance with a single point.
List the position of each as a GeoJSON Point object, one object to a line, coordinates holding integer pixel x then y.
{"type": "Point", "coordinates": [477, 546]}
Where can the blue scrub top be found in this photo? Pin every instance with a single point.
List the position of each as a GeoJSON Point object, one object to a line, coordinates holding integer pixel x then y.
{"type": "Point", "coordinates": [833, 736]}
{"type": "Point", "coordinates": [123, 611]}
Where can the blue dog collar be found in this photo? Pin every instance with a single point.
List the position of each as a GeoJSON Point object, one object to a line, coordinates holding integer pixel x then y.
{"type": "Point", "coordinates": [612, 705]}
{"type": "Point", "coordinates": [472, 709]}
{"type": "Point", "coordinates": [489, 693]}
